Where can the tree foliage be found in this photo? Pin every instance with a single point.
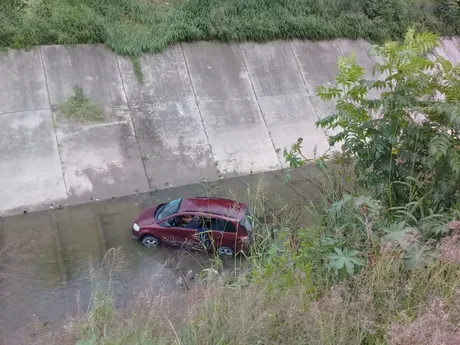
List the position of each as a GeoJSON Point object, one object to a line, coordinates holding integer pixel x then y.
{"type": "Point", "coordinates": [405, 144]}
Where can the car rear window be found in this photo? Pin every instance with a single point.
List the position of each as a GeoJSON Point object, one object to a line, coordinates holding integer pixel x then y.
{"type": "Point", "coordinates": [247, 221]}
{"type": "Point", "coordinates": [167, 209]}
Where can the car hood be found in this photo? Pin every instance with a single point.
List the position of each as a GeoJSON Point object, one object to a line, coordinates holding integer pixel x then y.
{"type": "Point", "coordinates": [146, 216]}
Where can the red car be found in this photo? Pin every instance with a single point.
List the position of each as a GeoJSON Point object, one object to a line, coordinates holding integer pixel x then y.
{"type": "Point", "coordinates": [209, 223]}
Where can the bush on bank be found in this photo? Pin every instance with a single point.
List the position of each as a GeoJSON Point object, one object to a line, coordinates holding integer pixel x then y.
{"type": "Point", "coordinates": [134, 26]}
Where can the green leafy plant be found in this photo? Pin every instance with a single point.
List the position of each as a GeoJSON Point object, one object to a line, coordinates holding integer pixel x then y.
{"type": "Point", "coordinates": [344, 259]}
{"type": "Point", "coordinates": [405, 144]}
{"type": "Point", "coordinates": [80, 108]}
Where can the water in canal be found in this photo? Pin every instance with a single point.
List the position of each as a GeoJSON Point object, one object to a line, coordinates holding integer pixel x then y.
{"type": "Point", "coordinates": [50, 253]}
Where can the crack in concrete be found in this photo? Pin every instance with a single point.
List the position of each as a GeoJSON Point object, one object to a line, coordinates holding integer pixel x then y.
{"type": "Point", "coordinates": [305, 85]}
{"type": "Point", "coordinates": [149, 180]}
{"type": "Point", "coordinates": [90, 127]}
{"type": "Point", "coordinates": [258, 104]}
{"type": "Point", "coordinates": [23, 111]}
{"type": "Point", "coordinates": [54, 123]}
{"type": "Point", "coordinates": [219, 174]}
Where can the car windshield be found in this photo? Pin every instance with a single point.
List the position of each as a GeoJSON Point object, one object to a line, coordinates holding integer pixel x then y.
{"type": "Point", "coordinates": [168, 209]}
{"type": "Point", "coordinates": [247, 221]}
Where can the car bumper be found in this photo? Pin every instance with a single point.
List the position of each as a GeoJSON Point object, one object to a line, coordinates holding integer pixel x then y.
{"type": "Point", "coordinates": [136, 235]}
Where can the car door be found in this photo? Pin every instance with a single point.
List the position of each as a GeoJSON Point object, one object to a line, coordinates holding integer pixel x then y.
{"type": "Point", "coordinates": [223, 231]}
{"type": "Point", "coordinates": [175, 235]}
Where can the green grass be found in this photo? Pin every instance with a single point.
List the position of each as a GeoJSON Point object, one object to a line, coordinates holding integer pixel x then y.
{"type": "Point", "coordinates": [131, 27]}
{"type": "Point", "coordinates": [80, 108]}
{"type": "Point", "coordinates": [137, 67]}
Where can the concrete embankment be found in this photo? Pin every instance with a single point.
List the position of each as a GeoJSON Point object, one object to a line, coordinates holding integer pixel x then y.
{"type": "Point", "coordinates": [204, 111]}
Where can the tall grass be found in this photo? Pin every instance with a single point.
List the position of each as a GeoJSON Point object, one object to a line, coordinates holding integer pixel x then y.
{"type": "Point", "coordinates": [284, 293]}
{"type": "Point", "coordinates": [382, 305]}
{"type": "Point", "coordinates": [131, 27]}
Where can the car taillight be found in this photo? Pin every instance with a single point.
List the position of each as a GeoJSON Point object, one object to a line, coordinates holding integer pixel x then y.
{"type": "Point", "coordinates": [246, 241]}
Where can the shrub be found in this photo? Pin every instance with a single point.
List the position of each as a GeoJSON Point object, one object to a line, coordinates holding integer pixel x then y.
{"type": "Point", "coordinates": [405, 145]}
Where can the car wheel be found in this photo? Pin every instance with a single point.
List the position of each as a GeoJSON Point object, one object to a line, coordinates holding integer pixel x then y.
{"type": "Point", "coordinates": [150, 241]}
{"type": "Point", "coordinates": [225, 252]}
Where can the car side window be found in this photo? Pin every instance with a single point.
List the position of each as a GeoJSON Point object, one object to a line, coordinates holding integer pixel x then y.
{"type": "Point", "coordinates": [217, 224]}
{"type": "Point", "coordinates": [179, 222]}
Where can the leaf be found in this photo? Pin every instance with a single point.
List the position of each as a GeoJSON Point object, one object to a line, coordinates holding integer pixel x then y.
{"type": "Point", "coordinates": [328, 241]}
{"type": "Point", "coordinates": [439, 146]}
{"type": "Point", "coordinates": [454, 161]}
{"type": "Point", "coordinates": [399, 233]}
{"type": "Point", "coordinates": [417, 255]}
{"type": "Point", "coordinates": [357, 261]}
{"type": "Point", "coordinates": [337, 206]}
{"type": "Point", "coordinates": [344, 259]}
{"type": "Point", "coordinates": [350, 267]}
{"type": "Point", "coordinates": [338, 251]}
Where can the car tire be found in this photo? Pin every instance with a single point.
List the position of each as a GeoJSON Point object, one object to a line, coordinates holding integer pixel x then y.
{"type": "Point", "coordinates": [150, 241]}
{"type": "Point", "coordinates": [225, 251]}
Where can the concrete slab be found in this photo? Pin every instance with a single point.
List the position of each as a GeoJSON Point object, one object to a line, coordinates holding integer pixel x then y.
{"type": "Point", "coordinates": [272, 68]}
{"type": "Point", "coordinates": [30, 170]}
{"type": "Point", "coordinates": [439, 50]}
{"type": "Point", "coordinates": [283, 98]}
{"type": "Point", "coordinates": [240, 141]}
{"type": "Point", "coordinates": [217, 71]}
{"type": "Point", "coordinates": [237, 132]}
{"type": "Point", "coordinates": [99, 160]}
{"type": "Point", "coordinates": [22, 82]}
{"type": "Point", "coordinates": [361, 50]}
{"type": "Point", "coordinates": [290, 117]}
{"type": "Point", "coordinates": [450, 47]}
{"type": "Point", "coordinates": [318, 64]}
{"type": "Point", "coordinates": [93, 68]}
{"type": "Point", "coordinates": [167, 120]}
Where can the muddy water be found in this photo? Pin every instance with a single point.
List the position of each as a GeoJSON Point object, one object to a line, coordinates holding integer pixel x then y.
{"type": "Point", "coordinates": [49, 254]}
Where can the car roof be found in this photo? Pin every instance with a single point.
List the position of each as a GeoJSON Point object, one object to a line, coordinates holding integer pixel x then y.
{"type": "Point", "coordinates": [218, 206]}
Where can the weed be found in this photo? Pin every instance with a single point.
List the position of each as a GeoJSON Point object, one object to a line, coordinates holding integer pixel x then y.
{"type": "Point", "coordinates": [137, 67]}
{"type": "Point", "coordinates": [80, 108]}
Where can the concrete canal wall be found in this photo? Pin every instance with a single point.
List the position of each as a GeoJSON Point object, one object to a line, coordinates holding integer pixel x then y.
{"type": "Point", "coordinates": [205, 111]}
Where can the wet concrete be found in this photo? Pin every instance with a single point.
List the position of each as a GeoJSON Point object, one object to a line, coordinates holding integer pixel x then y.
{"type": "Point", "coordinates": [47, 270]}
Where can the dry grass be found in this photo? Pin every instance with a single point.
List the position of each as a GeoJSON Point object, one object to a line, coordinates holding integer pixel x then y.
{"type": "Point", "coordinates": [383, 304]}
{"type": "Point", "coordinates": [283, 296]}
